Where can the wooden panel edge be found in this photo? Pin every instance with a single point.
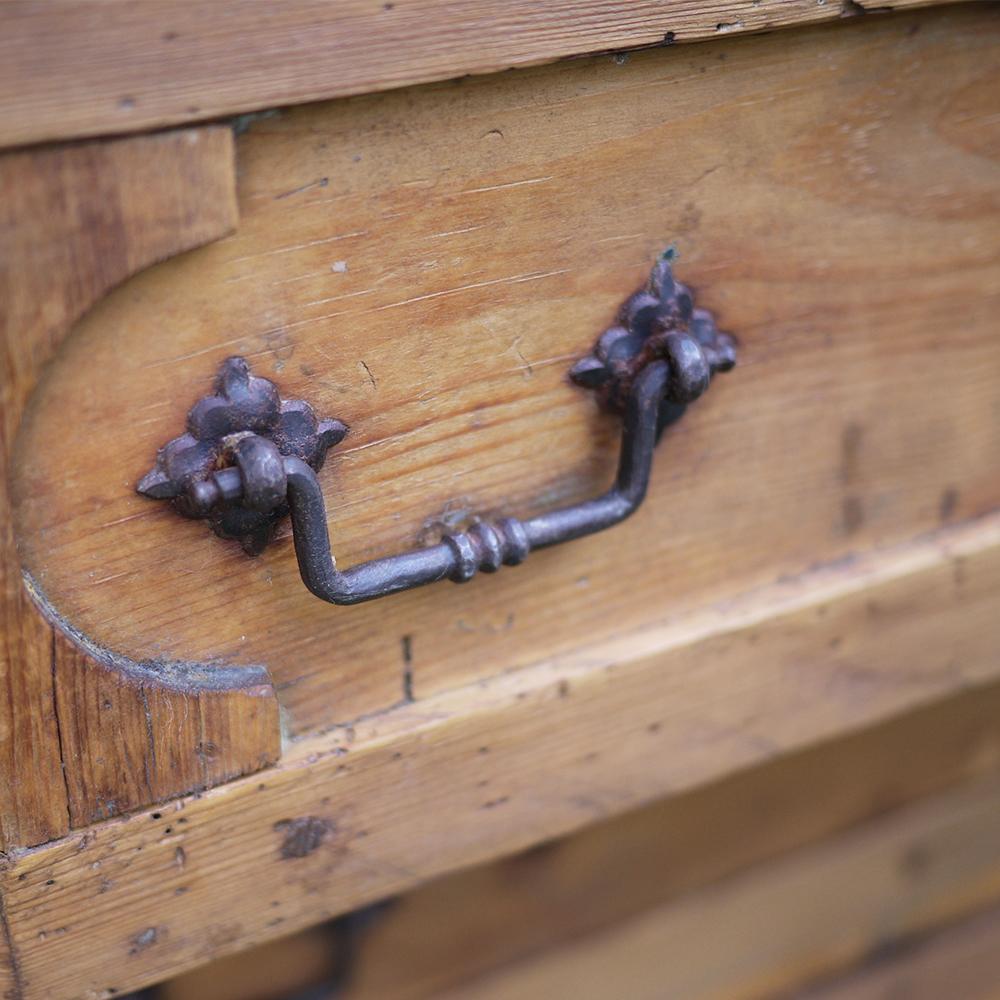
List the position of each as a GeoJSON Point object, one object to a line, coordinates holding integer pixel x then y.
{"type": "Point", "coordinates": [77, 220]}
{"type": "Point", "coordinates": [472, 924]}
{"type": "Point", "coordinates": [68, 70]}
{"type": "Point", "coordinates": [133, 734]}
{"type": "Point", "coordinates": [470, 775]}
{"type": "Point", "coordinates": [11, 987]}
{"type": "Point", "coordinates": [824, 908]}
{"type": "Point", "coordinates": [961, 959]}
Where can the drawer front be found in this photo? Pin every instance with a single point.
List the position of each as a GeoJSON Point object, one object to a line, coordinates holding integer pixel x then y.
{"type": "Point", "coordinates": [817, 556]}
{"type": "Point", "coordinates": [426, 265]}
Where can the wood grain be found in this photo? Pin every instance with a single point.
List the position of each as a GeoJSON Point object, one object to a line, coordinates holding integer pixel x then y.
{"type": "Point", "coordinates": [10, 981]}
{"type": "Point", "coordinates": [458, 928]}
{"type": "Point", "coordinates": [132, 734]}
{"type": "Point", "coordinates": [75, 221]}
{"type": "Point", "coordinates": [772, 929]}
{"type": "Point", "coordinates": [450, 933]}
{"type": "Point", "coordinates": [839, 215]}
{"type": "Point", "coordinates": [960, 961]}
{"type": "Point", "coordinates": [463, 777]}
{"type": "Point", "coordinates": [73, 68]}
{"type": "Point", "coordinates": [288, 967]}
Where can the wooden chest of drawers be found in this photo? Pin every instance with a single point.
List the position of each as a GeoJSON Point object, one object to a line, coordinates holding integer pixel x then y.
{"type": "Point", "coordinates": [818, 552]}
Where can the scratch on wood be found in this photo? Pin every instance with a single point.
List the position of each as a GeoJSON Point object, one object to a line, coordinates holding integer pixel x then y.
{"type": "Point", "coordinates": [319, 183]}
{"type": "Point", "coordinates": [501, 187]}
{"type": "Point", "coordinates": [150, 761]}
{"type": "Point", "coordinates": [407, 644]}
{"type": "Point", "coordinates": [515, 279]}
{"type": "Point", "coordinates": [108, 579]}
{"type": "Point", "coordinates": [544, 363]}
{"type": "Point", "coordinates": [337, 298]}
{"type": "Point", "coordinates": [371, 378]}
{"type": "Point", "coordinates": [298, 246]}
{"type": "Point", "coordinates": [453, 232]}
{"type": "Point", "coordinates": [288, 281]}
{"type": "Point", "coordinates": [529, 371]}
{"type": "Point", "coordinates": [122, 520]}
{"type": "Point", "coordinates": [59, 731]}
{"type": "Point", "coordinates": [195, 354]}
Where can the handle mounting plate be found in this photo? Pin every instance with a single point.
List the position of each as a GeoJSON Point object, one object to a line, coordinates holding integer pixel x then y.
{"type": "Point", "coordinates": [241, 405]}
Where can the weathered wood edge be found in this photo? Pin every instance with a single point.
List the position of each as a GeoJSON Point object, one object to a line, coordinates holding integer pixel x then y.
{"type": "Point", "coordinates": [795, 920]}
{"type": "Point", "coordinates": [84, 737]}
{"type": "Point", "coordinates": [480, 925]}
{"type": "Point", "coordinates": [960, 959]}
{"type": "Point", "coordinates": [72, 69]}
{"type": "Point", "coordinates": [180, 676]}
{"type": "Point", "coordinates": [371, 809]}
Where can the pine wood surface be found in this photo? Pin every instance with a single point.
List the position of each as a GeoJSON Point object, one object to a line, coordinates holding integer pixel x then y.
{"type": "Point", "coordinates": [836, 212]}
{"type": "Point", "coordinates": [773, 928]}
{"type": "Point", "coordinates": [456, 929]}
{"type": "Point", "coordinates": [959, 961]}
{"type": "Point", "coordinates": [79, 735]}
{"type": "Point", "coordinates": [288, 967]}
{"type": "Point", "coordinates": [73, 68]}
{"type": "Point", "coordinates": [464, 777]}
{"type": "Point", "coordinates": [443, 937]}
{"type": "Point", "coordinates": [452, 727]}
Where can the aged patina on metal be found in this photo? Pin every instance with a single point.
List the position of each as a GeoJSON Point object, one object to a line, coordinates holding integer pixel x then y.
{"type": "Point", "coordinates": [248, 457]}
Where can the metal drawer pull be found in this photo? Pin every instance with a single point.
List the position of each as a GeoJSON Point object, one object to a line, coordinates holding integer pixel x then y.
{"type": "Point", "coordinates": [248, 457]}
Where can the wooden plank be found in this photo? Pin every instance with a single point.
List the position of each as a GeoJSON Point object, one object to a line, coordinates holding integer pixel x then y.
{"type": "Point", "coordinates": [289, 967]}
{"type": "Point", "coordinates": [862, 279]}
{"type": "Point", "coordinates": [468, 924]}
{"type": "Point", "coordinates": [774, 928]}
{"type": "Point", "coordinates": [489, 769]}
{"type": "Point", "coordinates": [459, 928]}
{"type": "Point", "coordinates": [960, 961]}
{"type": "Point", "coordinates": [10, 984]}
{"type": "Point", "coordinates": [132, 736]}
{"type": "Point", "coordinates": [74, 68]}
{"type": "Point", "coordinates": [75, 221]}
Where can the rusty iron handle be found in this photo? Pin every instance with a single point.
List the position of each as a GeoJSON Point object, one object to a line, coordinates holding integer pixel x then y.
{"type": "Point", "coordinates": [660, 356]}
{"type": "Point", "coordinates": [485, 546]}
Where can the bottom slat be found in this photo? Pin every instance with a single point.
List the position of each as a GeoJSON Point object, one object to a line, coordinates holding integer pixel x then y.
{"type": "Point", "coordinates": [776, 927]}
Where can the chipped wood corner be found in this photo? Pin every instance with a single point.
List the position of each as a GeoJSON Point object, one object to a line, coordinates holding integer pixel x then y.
{"type": "Point", "coordinates": [85, 734]}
